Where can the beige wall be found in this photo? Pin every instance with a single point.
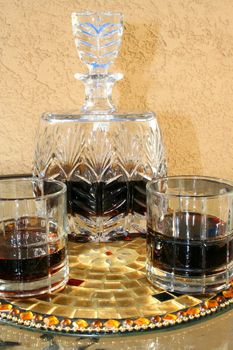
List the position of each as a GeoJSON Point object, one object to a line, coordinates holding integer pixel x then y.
{"type": "Point", "coordinates": [177, 57]}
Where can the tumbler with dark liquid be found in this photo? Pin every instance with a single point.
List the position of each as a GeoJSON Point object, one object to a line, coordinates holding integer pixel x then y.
{"type": "Point", "coordinates": [33, 237]}
{"type": "Point", "coordinates": [189, 234]}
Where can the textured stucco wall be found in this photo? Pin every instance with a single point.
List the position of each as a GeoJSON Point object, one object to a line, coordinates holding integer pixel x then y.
{"type": "Point", "coordinates": [177, 57]}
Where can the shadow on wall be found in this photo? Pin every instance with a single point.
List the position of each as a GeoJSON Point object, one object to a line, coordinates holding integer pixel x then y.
{"type": "Point", "coordinates": [136, 55]}
{"type": "Point", "coordinates": [178, 132]}
{"type": "Point", "coordinates": [140, 47]}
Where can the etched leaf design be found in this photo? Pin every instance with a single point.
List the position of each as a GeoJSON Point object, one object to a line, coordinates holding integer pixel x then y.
{"type": "Point", "coordinates": [97, 38]}
{"type": "Point", "coordinates": [58, 150]}
{"type": "Point", "coordinates": [99, 153]}
{"type": "Point", "coordinates": [154, 151]}
{"type": "Point", "coordinates": [128, 143]}
{"type": "Point", "coordinates": [44, 151]}
{"type": "Point", "coordinates": [70, 147]}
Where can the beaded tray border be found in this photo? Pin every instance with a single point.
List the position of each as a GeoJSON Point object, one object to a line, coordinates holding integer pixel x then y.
{"type": "Point", "coordinates": [14, 315]}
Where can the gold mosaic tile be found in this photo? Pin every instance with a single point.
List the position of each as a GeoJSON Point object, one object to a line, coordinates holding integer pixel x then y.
{"type": "Point", "coordinates": [169, 306]}
{"type": "Point", "coordinates": [141, 291]}
{"type": "Point", "coordinates": [100, 294]}
{"type": "Point", "coordinates": [43, 307]}
{"type": "Point", "coordinates": [67, 311]}
{"type": "Point", "coordinates": [122, 294]}
{"type": "Point", "coordinates": [93, 284]}
{"type": "Point", "coordinates": [106, 303]}
{"type": "Point", "coordinates": [127, 312]}
{"type": "Point", "coordinates": [114, 277]}
{"type": "Point", "coordinates": [76, 272]}
{"type": "Point", "coordinates": [131, 284]}
{"type": "Point", "coordinates": [134, 275]}
{"type": "Point", "coordinates": [79, 292]}
{"type": "Point", "coordinates": [112, 285]}
{"type": "Point", "coordinates": [187, 300]}
{"type": "Point", "coordinates": [83, 303]}
{"type": "Point", "coordinates": [148, 300]}
{"type": "Point", "coordinates": [108, 281]}
{"type": "Point", "coordinates": [108, 313]}
{"type": "Point", "coordinates": [63, 300]}
{"type": "Point", "coordinates": [117, 269]}
{"type": "Point", "coordinates": [85, 313]}
{"type": "Point", "coordinates": [126, 302]}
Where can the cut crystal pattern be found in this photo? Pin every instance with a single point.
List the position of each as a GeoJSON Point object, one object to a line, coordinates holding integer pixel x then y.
{"type": "Point", "coordinates": [97, 38]}
{"type": "Point", "coordinates": [105, 165]}
{"type": "Point", "coordinates": [104, 158]}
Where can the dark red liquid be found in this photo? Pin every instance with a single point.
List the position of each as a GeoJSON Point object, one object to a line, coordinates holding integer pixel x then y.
{"type": "Point", "coordinates": [106, 199]}
{"type": "Point", "coordinates": [25, 254]}
{"type": "Point", "coordinates": [32, 268]}
{"type": "Point", "coordinates": [193, 256]}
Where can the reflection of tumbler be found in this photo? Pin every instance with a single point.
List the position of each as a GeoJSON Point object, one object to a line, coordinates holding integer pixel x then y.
{"type": "Point", "coordinates": [189, 233]}
{"type": "Point", "coordinates": [33, 234]}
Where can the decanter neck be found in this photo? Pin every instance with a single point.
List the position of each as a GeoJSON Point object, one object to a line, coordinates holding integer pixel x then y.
{"type": "Point", "coordinates": [98, 90]}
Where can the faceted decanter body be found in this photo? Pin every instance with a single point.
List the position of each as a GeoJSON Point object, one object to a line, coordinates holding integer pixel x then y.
{"type": "Point", "coordinates": [105, 158]}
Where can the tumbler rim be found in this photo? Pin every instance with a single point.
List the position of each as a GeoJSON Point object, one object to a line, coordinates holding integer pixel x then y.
{"type": "Point", "coordinates": [60, 191]}
{"type": "Point", "coordinates": [151, 183]}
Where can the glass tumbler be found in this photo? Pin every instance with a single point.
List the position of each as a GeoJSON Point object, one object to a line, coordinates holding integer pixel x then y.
{"type": "Point", "coordinates": [189, 234]}
{"type": "Point", "coordinates": [33, 237]}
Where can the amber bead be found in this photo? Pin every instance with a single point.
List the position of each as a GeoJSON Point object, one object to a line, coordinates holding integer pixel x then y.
{"type": "Point", "coordinates": [193, 311]}
{"type": "Point", "coordinates": [170, 317]}
{"type": "Point", "coordinates": [15, 312]}
{"type": "Point", "coordinates": [97, 324]}
{"type": "Point", "coordinates": [128, 323]}
{"type": "Point", "coordinates": [6, 307]}
{"type": "Point", "coordinates": [51, 321]}
{"type": "Point", "coordinates": [38, 318]}
{"type": "Point", "coordinates": [182, 314]}
{"type": "Point", "coordinates": [156, 319]}
{"type": "Point", "coordinates": [26, 316]}
{"type": "Point", "coordinates": [211, 303]}
{"type": "Point", "coordinates": [80, 324]}
{"type": "Point", "coordinates": [220, 299]}
{"type": "Point", "coordinates": [228, 293]}
{"type": "Point", "coordinates": [66, 322]}
{"type": "Point", "coordinates": [142, 321]}
{"type": "Point", "coordinates": [112, 324]}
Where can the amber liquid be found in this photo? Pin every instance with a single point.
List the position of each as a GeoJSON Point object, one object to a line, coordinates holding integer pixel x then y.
{"type": "Point", "coordinates": [25, 254]}
{"type": "Point", "coordinates": [106, 199]}
{"type": "Point", "coordinates": [191, 257]}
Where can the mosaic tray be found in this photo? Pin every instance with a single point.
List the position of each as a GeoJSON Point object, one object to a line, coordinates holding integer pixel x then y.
{"type": "Point", "coordinates": [108, 293]}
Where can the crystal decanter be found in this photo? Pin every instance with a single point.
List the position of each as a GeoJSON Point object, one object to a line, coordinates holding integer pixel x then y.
{"type": "Point", "coordinates": [104, 157]}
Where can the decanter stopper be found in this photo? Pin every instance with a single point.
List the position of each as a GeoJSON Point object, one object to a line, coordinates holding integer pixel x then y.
{"type": "Point", "coordinates": [98, 39]}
